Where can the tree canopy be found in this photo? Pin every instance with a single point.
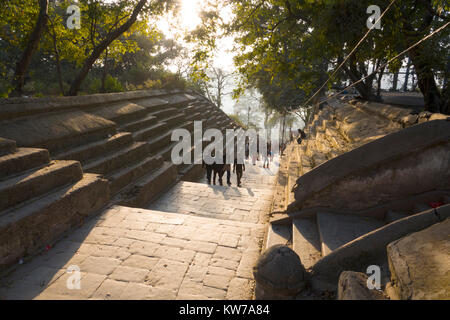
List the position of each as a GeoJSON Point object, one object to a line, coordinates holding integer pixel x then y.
{"type": "Point", "coordinates": [113, 43]}
{"type": "Point", "coordinates": [288, 48]}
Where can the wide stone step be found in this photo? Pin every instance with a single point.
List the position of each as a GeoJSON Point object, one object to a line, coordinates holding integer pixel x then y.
{"type": "Point", "coordinates": [96, 149]}
{"type": "Point", "coordinates": [117, 159]}
{"type": "Point", "coordinates": [279, 234]}
{"type": "Point", "coordinates": [392, 216]}
{"type": "Point", "coordinates": [193, 115]}
{"type": "Point", "coordinates": [336, 230]}
{"type": "Point", "coordinates": [149, 187]}
{"type": "Point", "coordinates": [139, 124]}
{"type": "Point", "coordinates": [133, 172]}
{"type": "Point", "coordinates": [306, 241]}
{"type": "Point", "coordinates": [191, 172]}
{"type": "Point", "coordinates": [165, 113]}
{"type": "Point", "coordinates": [39, 181]}
{"type": "Point", "coordinates": [180, 100]}
{"type": "Point", "coordinates": [147, 133]}
{"type": "Point", "coordinates": [21, 160]}
{"type": "Point", "coordinates": [175, 120]}
{"type": "Point", "coordinates": [156, 144]}
{"type": "Point", "coordinates": [121, 112]}
{"type": "Point", "coordinates": [57, 130]}
{"type": "Point", "coordinates": [165, 152]}
{"type": "Point", "coordinates": [152, 104]}
{"type": "Point", "coordinates": [7, 146]}
{"type": "Point", "coordinates": [30, 227]}
{"type": "Point", "coordinates": [188, 125]}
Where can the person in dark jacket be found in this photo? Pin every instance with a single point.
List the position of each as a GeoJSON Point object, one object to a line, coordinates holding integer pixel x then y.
{"type": "Point", "coordinates": [209, 169]}
{"type": "Point", "coordinates": [227, 168]}
{"type": "Point", "coordinates": [239, 169]}
{"type": "Point", "coordinates": [218, 171]}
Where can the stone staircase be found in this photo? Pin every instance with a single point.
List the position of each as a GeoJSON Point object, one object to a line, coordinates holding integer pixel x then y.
{"type": "Point", "coordinates": [118, 145]}
{"type": "Point", "coordinates": [320, 231]}
{"type": "Point", "coordinates": [38, 197]}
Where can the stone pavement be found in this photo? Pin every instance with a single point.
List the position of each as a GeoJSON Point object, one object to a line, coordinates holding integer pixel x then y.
{"type": "Point", "coordinates": [128, 253]}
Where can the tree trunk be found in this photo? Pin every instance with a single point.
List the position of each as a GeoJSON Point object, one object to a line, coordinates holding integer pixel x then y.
{"type": "Point", "coordinates": [58, 64]}
{"type": "Point", "coordinates": [364, 88]}
{"type": "Point", "coordinates": [408, 67]}
{"type": "Point", "coordinates": [32, 45]}
{"type": "Point", "coordinates": [380, 78]}
{"type": "Point", "coordinates": [425, 80]}
{"type": "Point", "coordinates": [446, 74]}
{"type": "Point", "coordinates": [395, 82]}
{"type": "Point", "coordinates": [105, 72]}
{"type": "Point", "coordinates": [98, 50]}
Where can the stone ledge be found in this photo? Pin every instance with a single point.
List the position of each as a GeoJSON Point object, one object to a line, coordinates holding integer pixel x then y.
{"type": "Point", "coordinates": [370, 249]}
{"type": "Point", "coordinates": [393, 146]}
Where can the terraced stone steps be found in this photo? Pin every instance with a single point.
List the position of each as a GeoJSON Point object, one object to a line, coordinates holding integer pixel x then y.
{"type": "Point", "coordinates": [122, 146]}
{"type": "Point", "coordinates": [313, 239]}
{"type": "Point", "coordinates": [165, 113]}
{"type": "Point", "coordinates": [7, 146]}
{"type": "Point", "coordinates": [180, 100]}
{"type": "Point", "coordinates": [146, 133]}
{"type": "Point", "coordinates": [152, 104]}
{"type": "Point", "coordinates": [139, 124]}
{"type": "Point", "coordinates": [117, 159]}
{"type": "Point", "coordinates": [57, 131]}
{"type": "Point", "coordinates": [95, 149]}
{"type": "Point", "coordinates": [22, 159]}
{"type": "Point", "coordinates": [32, 183]}
{"type": "Point", "coordinates": [121, 113]}
{"type": "Point", "coordinates": [38, 222]}
{"type": "Point", "coordinates": [134, 171]}
{"type": "Point", "coordinates": [37, 198]}
{"type": "Point", "coordinates": [148, 187]}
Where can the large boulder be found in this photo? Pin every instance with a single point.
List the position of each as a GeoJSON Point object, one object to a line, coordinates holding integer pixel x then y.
{"type": "Point", "coordinates": [420, 264]}
{"type": "Point", "coordinates": [279, 274]}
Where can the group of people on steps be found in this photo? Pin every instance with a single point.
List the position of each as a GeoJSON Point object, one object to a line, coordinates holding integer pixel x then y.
{"type": "Point", "coordinates": [218, 170]}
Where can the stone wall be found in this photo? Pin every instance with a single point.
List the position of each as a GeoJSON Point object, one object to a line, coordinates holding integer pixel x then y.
{"type": "Point", "coordinates": [359, 155]}
{"type": "Point", "coordinates": [64, 159]}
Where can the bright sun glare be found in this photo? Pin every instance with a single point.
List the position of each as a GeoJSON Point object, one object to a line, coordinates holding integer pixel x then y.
{"type": "Point", "coordinates": [186, 19]}
{"type": "Point", "coordinates": [189, 14]}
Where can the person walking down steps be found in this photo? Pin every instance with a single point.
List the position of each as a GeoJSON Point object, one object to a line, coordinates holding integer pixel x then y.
{"type": "Point", "coordinates": [209, 170]}
{"type": "Point", "coordinates": [239, 169]}
{"type": "Point", "coordinates": [227, 169]}
{"type": "Point", "coordinates": [218, 171]}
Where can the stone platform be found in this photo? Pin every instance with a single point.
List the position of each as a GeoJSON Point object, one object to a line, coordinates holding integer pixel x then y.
{"type": "Point", "coordinates": [128, 253]}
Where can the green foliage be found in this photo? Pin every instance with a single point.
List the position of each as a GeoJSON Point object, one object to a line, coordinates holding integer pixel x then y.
{"type": "Point", "coordinates": [288, 48]}
{"type": "Point", "coordinates": [141, 51]}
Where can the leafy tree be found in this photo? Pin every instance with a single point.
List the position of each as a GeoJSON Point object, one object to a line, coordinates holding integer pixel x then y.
{"type": "Point", "coordinates": [300, 43]}
{"type": "Point", "coordinates": [25, 36]}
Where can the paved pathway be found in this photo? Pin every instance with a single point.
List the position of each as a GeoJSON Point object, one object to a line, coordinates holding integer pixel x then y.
{"type": "Point", "coordinates": [204, 247]}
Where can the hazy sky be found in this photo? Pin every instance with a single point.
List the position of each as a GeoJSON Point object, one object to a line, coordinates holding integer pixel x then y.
{"type": "Point", "coordinates": [185, 21]}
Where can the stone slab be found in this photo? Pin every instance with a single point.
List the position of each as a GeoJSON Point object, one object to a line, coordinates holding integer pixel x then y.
{"type": "Point", "coordinates": [57, 130]}
{"type": "Point", "coordinates": [420, 263]}
{"type": "Point", "coordinates": [306, 241]}
{"type": "Point", "coordinates": [337, 230]}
